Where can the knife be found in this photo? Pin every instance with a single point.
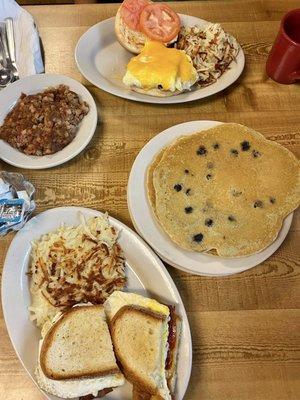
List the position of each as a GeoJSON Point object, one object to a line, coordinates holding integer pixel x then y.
{"type": "Point", "coordinates": [9, 27]}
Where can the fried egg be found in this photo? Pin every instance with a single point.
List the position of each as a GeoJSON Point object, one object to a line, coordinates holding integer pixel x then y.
{"type": "Point", "coordinates": [119, 299]}
{"type": "Point", "coordinates": [159, 67]}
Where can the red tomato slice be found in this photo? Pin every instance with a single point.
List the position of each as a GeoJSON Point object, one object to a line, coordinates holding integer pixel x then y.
{"type": "Point", "coordinates": [159, 22]}
{"type": "Point", "coordinates": [131, 11]}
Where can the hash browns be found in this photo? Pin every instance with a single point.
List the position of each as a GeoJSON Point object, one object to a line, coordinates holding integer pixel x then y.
{"type": "Point", "coordinates": [75, 265]}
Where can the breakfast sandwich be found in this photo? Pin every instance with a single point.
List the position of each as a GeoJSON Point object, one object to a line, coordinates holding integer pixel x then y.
{"type": "Point", "coordinates": [160, 71]}
{"type": "Point", "coordinates": [140, 20]}
{"type": "Point", "coordinates": [76, 356]}
{"type": "Point", "coordinates": [145, 336]}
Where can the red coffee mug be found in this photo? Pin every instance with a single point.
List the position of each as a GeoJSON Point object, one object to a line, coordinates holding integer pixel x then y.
{"type": "Point", "coordinates": [283, 64]}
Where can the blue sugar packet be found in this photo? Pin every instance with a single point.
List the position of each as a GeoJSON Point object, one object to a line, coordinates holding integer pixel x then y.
{"type": "Point", "coordinates": [16, 201]}
{"type": "Point", "coordinates": [11, 211]}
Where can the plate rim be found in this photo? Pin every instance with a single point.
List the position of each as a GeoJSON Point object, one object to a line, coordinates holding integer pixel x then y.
{"type": "Point", "coordinates": [134, 96]}
{"type": "Point", "coordinates": [50, 164]}
{"type": "Point", "coordinates": [142, 243]}
{"type": "Point", "coordinates": [229, 271]}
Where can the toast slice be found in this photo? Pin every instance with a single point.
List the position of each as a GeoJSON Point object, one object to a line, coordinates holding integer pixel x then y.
{"type": "Point", "coordinates": [78, 345]}
{"type": "Point", "coordinates": [171, 372]}
{"type": "Point", "coordinates": [140, 338]}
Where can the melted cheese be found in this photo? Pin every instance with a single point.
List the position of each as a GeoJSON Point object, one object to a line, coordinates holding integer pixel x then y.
{"type": "Point", "coordinates": [120, 299]}
{"type": "Point", "coordinates": [158, 66]}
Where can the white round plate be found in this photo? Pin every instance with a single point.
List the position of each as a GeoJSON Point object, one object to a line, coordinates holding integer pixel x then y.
{"type": "Point", "coordinates": [145, 273]}
{"type": "Point", "coordinates": [147, 226]}
{"type": "Point", "coordinates": [102, 60]}
{"type": "Point", "coordinates": [34, 84]}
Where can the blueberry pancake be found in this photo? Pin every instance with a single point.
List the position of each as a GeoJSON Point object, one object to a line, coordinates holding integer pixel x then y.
{"type": "Point", "coordinates": [151, 190]}
{"type": "Point", "coordinates": [225, 190]}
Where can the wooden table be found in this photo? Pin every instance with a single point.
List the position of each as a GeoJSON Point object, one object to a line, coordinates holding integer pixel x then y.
{"type": "Point", "coordinates": [246, 327]}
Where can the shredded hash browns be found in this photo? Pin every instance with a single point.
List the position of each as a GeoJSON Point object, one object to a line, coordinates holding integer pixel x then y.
{"type": "Point", "coordinates": [75, 265]}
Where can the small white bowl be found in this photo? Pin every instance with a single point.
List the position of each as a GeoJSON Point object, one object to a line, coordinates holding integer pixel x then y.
{"type": "Point", "coordinates": [34, 84]}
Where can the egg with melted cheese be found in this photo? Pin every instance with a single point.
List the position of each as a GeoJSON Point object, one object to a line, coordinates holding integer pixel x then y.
{"type": "Point", "coordinates": [119, 299]}
{"type": "Point", "coordinates": [159, 67]}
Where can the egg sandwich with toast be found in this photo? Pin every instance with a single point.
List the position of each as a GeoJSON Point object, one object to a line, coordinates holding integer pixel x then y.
{"type": "Point", "coordinates": [76, 356]}
{"type": "Point", "coordinates": [145, 336]}
{"type": "Point", "coordinates": [85, 351]}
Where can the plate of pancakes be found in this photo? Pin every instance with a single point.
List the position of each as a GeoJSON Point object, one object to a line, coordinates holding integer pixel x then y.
{"type": "Point", "coordinates": [78, 296]}
{"type": "Point", "coordinates": [178, 58]}
{"type": "Point", "coordinates": [213, 198]}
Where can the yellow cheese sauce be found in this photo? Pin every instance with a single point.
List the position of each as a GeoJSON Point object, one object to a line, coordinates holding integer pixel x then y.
{"type": "Point", "coordinates": [159, 65]}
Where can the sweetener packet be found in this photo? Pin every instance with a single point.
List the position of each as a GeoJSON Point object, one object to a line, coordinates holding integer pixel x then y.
{"type": "Point", "coordinates": [16, 201]}
{"type": "Point", "coordinates": [11, 210]}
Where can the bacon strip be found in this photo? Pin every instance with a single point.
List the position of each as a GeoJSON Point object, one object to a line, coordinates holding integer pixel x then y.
{"type": "Point", "coordinates": [172, 337]}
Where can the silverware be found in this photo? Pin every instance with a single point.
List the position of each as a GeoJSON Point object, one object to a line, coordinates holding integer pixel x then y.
{"type": "Point", "coordinates": [5, 77]}
{"type": "Point", "coordinates": [9, 27]}
{"type": "Point", "coordinates": [5, 73]}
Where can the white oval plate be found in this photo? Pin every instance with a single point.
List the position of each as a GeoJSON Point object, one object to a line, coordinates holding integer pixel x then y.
{"type": "Point", "coordinates": [145, 273]}
{"type": "Point", "coordinates": [34, 84]}
{"type": "Point", "coordinates": [147, 226]}
{"type": "Point", "coordinates": [102, 60]}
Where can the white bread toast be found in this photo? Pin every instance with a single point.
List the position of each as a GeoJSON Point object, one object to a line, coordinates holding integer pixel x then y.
{"type": "Point", "coordinates": [78, 345]}
{"type": "Point", "coordinates": [139, 338]}
{"type": "Point", "coordinates": [171, 372]}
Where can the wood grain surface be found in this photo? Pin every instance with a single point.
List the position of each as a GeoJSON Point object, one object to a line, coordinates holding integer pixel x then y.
{"type": "Point", "coordinates": [245, 328]}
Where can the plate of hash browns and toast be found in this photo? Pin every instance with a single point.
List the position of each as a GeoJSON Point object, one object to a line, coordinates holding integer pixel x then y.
{"type": "Point", "coordinates": [91, 311]}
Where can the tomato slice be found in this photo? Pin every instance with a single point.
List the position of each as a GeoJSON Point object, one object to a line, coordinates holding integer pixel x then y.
{"type": "Point", "coordinates": [159, 22]}
{"type": "Point", "coordinates": [131, 11]}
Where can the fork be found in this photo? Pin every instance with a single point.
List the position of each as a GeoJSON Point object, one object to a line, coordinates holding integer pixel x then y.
{"type": "Point", "coordinates": [11, 47]}
{"type": "Point", "coordinates": [5, 74]}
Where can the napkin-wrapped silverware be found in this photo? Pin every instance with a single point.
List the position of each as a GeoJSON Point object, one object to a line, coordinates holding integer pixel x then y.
{"type": "Point", "coordinates": [10, 36]}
